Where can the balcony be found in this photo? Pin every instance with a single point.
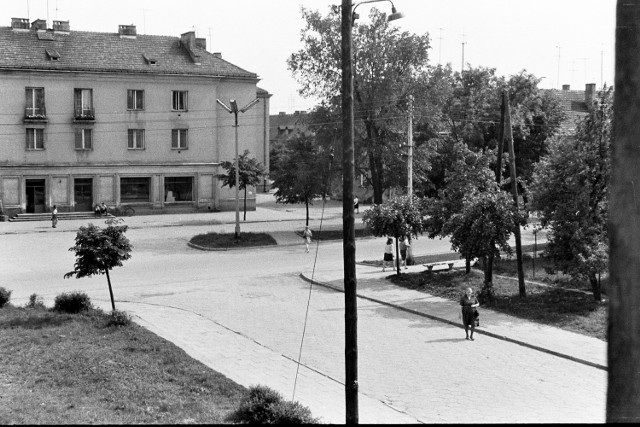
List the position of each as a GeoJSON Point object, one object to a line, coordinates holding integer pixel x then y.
{"type": "Point", "coordinates": [35, 115]}
{"type": "Point", "coordinates": [84, 115]}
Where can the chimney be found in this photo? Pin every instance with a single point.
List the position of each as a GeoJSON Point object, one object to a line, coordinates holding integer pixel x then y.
{"type": "Point", "coordinates": [39, 24]}
{"type": "Point", "coordinates": [201, 43]}
{"type": "Point", "coordinates": [127, 31]}
{"type": "Point", "coordinates": [188, 40]}
{"type": "Point", "coordinates": [19, 23]}
{"type": "Point", "coordinates": [589, 92]}
{"type": "Point", "coordinates": [566, 87]}
{"type": "Point", "coordinates": [61, 26]}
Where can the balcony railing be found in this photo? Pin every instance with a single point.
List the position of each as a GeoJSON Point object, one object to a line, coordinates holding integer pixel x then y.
{"type": "Point", "coordinates": [84, 114]}
{"type": "Point", "coordinates": [35, 114]}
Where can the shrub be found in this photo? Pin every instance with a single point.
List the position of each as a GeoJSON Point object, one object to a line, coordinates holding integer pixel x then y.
{"type": "Point", "coordinates": [263, 405]}
{"type": "Point", "coordinates": [5, 296]}
{"type": "Point", "coordinates": [35, 301]}
{"type": "Point", "coordinates": [73, 302]}
{"type": "Point", "coordinates": [119, 318]}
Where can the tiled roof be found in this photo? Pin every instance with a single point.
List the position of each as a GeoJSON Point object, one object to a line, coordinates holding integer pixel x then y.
{"type": "Point", "coordinates": [108, 52]}
{"type": "Point", "coordinates": [574, 105]}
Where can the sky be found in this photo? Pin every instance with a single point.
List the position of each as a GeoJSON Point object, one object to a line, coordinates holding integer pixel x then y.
{"type": "Point", "coordinates": [562, 41]}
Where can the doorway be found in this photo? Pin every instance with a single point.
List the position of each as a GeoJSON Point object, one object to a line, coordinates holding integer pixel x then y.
{"type": "Point", "coordinates": [35, 195]}
{"type": "Point", "coordinates": [83, 194]}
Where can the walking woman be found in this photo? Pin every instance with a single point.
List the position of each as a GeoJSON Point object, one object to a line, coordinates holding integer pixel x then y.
{"type": "Point", "coordinates": [54, 217]}
{"type": "Point", "coordinates": [469, 304]}
{"type": "Point", "coordinates": [388, 253]}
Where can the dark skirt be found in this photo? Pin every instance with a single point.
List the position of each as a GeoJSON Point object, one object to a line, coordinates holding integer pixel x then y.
{"type": "Point", "coordinates": [388, 257]}
{"type": "Point", "coordinates": [468, 317]}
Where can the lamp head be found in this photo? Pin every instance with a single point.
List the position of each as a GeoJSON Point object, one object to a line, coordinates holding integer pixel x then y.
{"type": "Point", "coordinates": [234, 105]}
{"type": "Point", "coordinates": [394, 15]}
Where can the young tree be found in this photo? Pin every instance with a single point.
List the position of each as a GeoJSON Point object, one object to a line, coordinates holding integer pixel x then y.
{"type": "Point", "coordinates": [98, 250]}
{"type": "Point", "coordinates": [386, 64]}
{"type": "Point", "coordinates": [396, 218]}
{"type": "Point", "coordinates": [570, 190]}
{"type": "Point", "coordinates": [250, 173]}
{"type": "Point", "coordinates": [303, 171]}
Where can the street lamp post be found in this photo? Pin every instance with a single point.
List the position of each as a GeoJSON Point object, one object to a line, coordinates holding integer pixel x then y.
{"type": "Point", "coordinates": [234, 110]}
{"type": "Point", "coordinates": [348, 220]}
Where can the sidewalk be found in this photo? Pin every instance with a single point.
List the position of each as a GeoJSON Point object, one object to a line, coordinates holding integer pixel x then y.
{"type": "Point", "coordinates": [373, 286]}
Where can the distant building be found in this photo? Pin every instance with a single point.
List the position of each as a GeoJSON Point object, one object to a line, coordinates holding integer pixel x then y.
{"type": "Point", "coordinates": [576, 104]}
{"type": "Point", "coordinates": [120, 118]}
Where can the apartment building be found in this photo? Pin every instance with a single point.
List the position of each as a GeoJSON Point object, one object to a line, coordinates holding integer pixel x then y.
{"type": "Point", "coordinates": [120, 118]}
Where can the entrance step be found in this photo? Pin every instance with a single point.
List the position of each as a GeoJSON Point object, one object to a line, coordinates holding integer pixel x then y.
{"type": "Point", "coordinates": [21, 217]}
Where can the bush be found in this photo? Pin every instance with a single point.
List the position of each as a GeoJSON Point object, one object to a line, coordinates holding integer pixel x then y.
{"type": "Point", "coordinates": [119, 318]}
{"type": "Point", "coordinates": [73, 302]}
{"type": "Point", "coordinates": [5, 296]}
{"type": "Point", "coordinates": [263, 405]}
{"type": "Point", "coordinates": [35, 301]}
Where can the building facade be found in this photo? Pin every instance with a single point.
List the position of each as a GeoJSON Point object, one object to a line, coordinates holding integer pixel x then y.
{"type": "Point", "coordinates": [120, 118]}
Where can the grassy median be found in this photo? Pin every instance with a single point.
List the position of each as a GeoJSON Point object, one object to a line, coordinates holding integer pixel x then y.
{"type": "Point", "coordinates": [62, 368]}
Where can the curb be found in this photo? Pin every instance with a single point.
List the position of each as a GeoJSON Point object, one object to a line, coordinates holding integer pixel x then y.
{"type": "Point", "coordinates": [456, 324]}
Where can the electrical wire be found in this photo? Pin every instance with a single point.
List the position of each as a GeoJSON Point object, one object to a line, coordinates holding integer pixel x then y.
{"type": "Point", "coordinates": [313, 271]}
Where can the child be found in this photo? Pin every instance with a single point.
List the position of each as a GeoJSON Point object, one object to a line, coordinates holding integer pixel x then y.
{"type": "Point", "coordinates": [388, 253]}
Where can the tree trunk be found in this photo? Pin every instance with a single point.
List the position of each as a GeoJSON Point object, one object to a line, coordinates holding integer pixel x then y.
{"type": "Point", "coordinates": [488, 269]}
{"type": "Point", "coordinates": [244, 218]}
{"type": "Point", "coordinates": [306, 203]}
{"type": "Point", "coordinates": [595, 287]}
{"type": "Point", "coordinates": [113, 304]}
{"type": "Point", "coordinates": [467, 266]}
{"type": "Point", "coordinates": [376, 178]}
{"type": "Point", "coordinates": [397, 259]}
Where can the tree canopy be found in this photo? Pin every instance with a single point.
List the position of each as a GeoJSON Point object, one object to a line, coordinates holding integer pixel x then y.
{"type": "Point", "coordinates": [250, 173]}
{"type": "Point", "coordinates": [570, 191]}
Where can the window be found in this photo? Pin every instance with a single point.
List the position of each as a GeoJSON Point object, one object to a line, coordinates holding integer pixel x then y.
{"type": "Point", "coordinates": [179, 100]}
{"type": "Point", "coordinates": [84, 139]}
{"type": "Point", "coordinates": [135, 189]}
{"type": "Point", "coordinates": [35, 102]}
{"type": "Point", "coordinates": [135, 99]}
{"type": "Point", "coordinates": [83, 103]}
{"type": "Point", "coordinates": [35, 139]}
{"type": "Point", "coordinates": [179, 139]}
{"type": "Point", "coordinates": [178, 189]}
{"type": "Point", "coordinates": [136, 139]}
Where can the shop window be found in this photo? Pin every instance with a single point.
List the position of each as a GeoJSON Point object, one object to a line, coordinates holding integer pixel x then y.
{"type": "Point", "coordinates": [178, 189]}
{"type": "Point", "coordinates": [135, 189]}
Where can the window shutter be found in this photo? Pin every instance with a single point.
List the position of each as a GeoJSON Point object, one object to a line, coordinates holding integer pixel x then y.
{"type": "Point", "coordinates": [78, 139]}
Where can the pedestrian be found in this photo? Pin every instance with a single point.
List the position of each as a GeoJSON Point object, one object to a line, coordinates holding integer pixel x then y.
{"type": "Point", "coordinates": [103, 209]}
{"type": "Point", "coordinates": [469, 304]}
{"type": "Point", "coordinates": [54, 216]}
{"type": "Point", "coordinates": [388, 253]}
{"type": "Point", "coordinates": [306, 235]}
{"type": "Point", "coordinates": [96, 210]}
{"type": "Point", "coordinates": [404, 247]}
{"type": "Point", "coordinates": [356, 204]}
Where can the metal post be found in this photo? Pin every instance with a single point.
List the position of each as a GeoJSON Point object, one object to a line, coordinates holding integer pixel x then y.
{"type": "Point", "coordinates": [348, 221]}
{"type": "Point", "coordinates": [410, 150]}
{"type": "Point", "coordinates": [237, 234]}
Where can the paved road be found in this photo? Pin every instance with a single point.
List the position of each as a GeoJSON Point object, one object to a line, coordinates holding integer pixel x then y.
{"type": "Point", "coordinates": [243, 313]}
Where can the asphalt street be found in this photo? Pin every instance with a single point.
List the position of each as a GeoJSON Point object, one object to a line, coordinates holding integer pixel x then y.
{"type": "Point", "coordinates": [244, 314]}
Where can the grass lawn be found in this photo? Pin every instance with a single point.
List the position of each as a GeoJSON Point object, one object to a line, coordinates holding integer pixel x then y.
{"type": "Point", "coordinates": [555, 304]}
{"type": "Point", "coordinates": [73, 369]}
{"type": "Point", "coordinates": [228, 240]}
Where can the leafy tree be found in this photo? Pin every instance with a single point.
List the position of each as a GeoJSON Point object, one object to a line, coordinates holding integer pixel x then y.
{"type": "Point", "coordinates": [570, 190]}
{"type": "Point", "coordinates": [397, 217]}
{"type": "Point", "coordinates": [250, 173]}
{"type": "Point", "coordinates": [303, 171]}
{"type": "Point", "coordinates": [482, 229]}
{"type": "Point", "coordinates": [98, 250]}
{"type": "Point", "coordinates": [387, 64]}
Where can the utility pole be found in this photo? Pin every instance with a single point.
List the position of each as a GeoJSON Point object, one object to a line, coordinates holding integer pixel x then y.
{"type": "Point", "coordinates": [440, 47]}
{"type": "Point", "coordinates": [348, 221]}
{"type": "Point", "coordinates": [410, 149]}
{"type": "Point", "coordinates": [558, 79]}
{"type": "Point", "coordinates": [463, 43]}
{"type": "Point", "coordinates": [508, 134]}
{"type": "Point", "coordinates": [623, 394]}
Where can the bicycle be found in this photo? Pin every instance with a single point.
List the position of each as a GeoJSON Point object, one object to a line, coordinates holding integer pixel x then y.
{"type": "Point", "coordinates": [122, 210]}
